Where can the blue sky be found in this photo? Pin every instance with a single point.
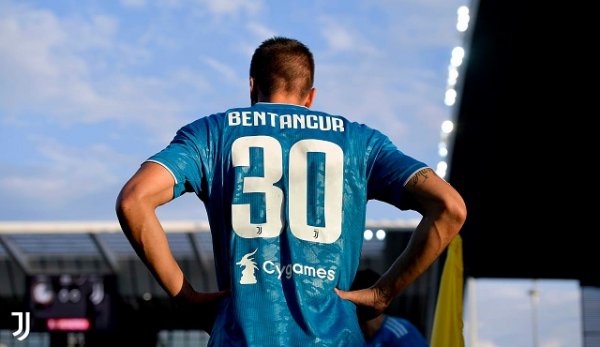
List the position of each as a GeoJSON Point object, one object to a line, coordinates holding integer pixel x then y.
{"type": "Point", "coordinates": [89, 89]}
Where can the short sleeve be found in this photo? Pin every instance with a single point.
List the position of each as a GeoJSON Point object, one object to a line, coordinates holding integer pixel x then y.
{"type": "Point", "coordinates": [186, 157]}
{"type": "Point", "coordinates": [390, 171]}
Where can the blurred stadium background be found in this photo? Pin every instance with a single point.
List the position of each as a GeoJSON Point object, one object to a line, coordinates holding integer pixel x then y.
{"type": "Point", "coordinates": [84, 284]}
{"type": "Point", "coordinates": [523, 220]}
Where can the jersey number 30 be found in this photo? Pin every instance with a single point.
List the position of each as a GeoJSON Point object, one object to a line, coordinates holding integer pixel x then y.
{"type": "Point", "coordinates": [297, 197]}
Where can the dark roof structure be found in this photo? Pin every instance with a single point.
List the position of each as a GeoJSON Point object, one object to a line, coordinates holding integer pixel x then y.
{"type": "Point", "coordinates": [526, 91]}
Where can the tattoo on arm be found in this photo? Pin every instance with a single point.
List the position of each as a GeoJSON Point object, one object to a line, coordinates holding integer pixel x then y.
{"type": "Point", "coordinates": [420, 176]}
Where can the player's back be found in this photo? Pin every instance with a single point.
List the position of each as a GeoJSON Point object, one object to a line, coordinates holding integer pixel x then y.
{"type": "Point", "coordinates": [290, 175]}
{"type": "Point", "coordinates": [285, 189]}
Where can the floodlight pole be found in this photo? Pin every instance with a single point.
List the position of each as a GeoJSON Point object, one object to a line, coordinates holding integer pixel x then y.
{"type": "Point", "coordinates": [535, 299]}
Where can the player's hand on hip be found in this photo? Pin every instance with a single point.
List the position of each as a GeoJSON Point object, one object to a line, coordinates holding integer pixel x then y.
{"type": "Point", "coordinates": [368, 301]}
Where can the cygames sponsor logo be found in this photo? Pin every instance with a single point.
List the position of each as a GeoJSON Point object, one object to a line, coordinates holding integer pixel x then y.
{"type": "Point", "coordinates": [280, 270]}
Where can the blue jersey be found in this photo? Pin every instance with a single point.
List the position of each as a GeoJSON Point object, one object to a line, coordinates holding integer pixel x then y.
{"type": "Point", "coordinates": [397, 332]}
{"type": "Point", "coordinates": [285, 190]}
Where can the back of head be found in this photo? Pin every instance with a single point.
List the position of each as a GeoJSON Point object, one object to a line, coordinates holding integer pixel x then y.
{"type": "Point", "coordinates": [282, 64]}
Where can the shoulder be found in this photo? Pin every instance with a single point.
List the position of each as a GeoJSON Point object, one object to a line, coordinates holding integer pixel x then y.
{"type": "Point", "coordinates": [201, 125]}
{"type": "Point", "coordinates": [209, 119]}
{"type": "Point", "coordinates": [358, 128]}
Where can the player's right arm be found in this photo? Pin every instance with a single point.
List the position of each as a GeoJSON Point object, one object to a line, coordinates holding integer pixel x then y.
{"type": "Point", "coordinates": [150, 187]}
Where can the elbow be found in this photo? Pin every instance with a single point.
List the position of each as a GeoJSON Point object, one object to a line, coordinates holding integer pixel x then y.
{"type": "Point", "coordinates": [123, 203]}
{"type": "Point", "coordinates": [455, 213]}
{"type": "Point", "coordinates": [127, 200]}
{"type": "Point", "coordinates": [129, 210]}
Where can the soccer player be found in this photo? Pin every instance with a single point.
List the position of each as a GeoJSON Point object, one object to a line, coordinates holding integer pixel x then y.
{"type": "Point", "coordinates": [286, 188]}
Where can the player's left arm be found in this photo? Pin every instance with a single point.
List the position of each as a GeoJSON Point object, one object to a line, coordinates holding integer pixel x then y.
{"type": "Point", "coordinates": [444, 213]}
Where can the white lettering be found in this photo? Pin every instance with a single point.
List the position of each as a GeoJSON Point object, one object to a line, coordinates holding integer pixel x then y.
{"type": "Point", "coordinates": [246, 121]}
{"type": "Point", "coordinates": [233, 119]}
{"type": "Point", "coordinates": [269, 267]}
{"type": "Point", "coordinates": [325, 123]}
{"type": "Point", "coordinates": [330, 274]}
{"type": "Point", "coordinates": [259, 118]}
{"type": "Point", "coordinates": [273, 118]}
{"type": "Point", "coordinates": [312, 121]}
{"type": "Point", "coordinates": [299, 121]}
{"type": "Point", "coordinates": [338, 125]}
{"type": "Point", "coordinates": [298, 269]}
{"type": "Point", "coordinates": [270, 271]}
{"type": "Point", "coordinates": [285, 121]}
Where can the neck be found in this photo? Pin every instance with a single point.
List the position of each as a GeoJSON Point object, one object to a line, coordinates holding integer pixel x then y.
{"type": "Point", "coordinates": [281, 98]}
{"type": "Point", "coordinates": [286, 98]}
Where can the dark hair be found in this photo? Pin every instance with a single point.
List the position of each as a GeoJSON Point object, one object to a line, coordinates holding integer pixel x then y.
{"type": "Point", "coordinates": [282, 64]}
{"type": "Point", "coordinates": [364, 279]}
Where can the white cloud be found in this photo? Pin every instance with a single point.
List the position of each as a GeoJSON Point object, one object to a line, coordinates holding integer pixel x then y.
{"type": "Point", "coordinates": [259, 30]}
{"type": "Point", "coordinates": [232, 6]}
{"type": "Point", "coordinates": [38, 61]}
{"type": "Point", "coordinates": [341, 38]}
{"type": "Point", "coordinates": [419, 24]}
{"type": "Point", "coordinates": [78, 67]}
{"type": "Point", "coordinates": [169, 3]}
{"type": "Point", "coordinates": [404, 103]}
{"type": "Point", "coordinates": [133, 3]}
{"type": "Point", "coordinates": [25, 41]}
{"type": "Point", "coordinates": [63, 175]}
{"type": "Point", "coordinates": [224, 70]}
{"type": "Point", "coordinates": [95, 32]}
{"type": "Point", "coordinates": [61, 69]}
